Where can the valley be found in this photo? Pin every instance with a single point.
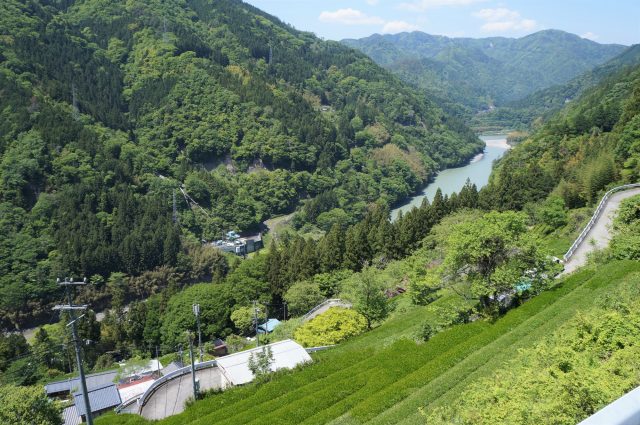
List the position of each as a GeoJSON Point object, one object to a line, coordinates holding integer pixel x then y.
{"type": "Point", "coordinates": [451, 180]}
{"type": "Point", "coordinates": [439, 229]}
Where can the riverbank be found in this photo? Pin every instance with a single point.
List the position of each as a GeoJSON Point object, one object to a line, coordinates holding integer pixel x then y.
{"type": "Point", "coordinates": [451, 180]}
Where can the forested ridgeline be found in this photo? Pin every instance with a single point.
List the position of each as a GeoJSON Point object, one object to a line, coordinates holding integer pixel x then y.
{"type": "Point", "coordinates": [533, 110]}
{"type": "Point", "coordinates": [108, 107]}
{"type": "Point", "coordinates": [590, 144]}
{"type": "Point", "coordinates": [477, 74]}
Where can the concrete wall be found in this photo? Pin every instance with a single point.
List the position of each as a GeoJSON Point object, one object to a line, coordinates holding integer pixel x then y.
{"type": "Point", "coordinates": [169, 399]}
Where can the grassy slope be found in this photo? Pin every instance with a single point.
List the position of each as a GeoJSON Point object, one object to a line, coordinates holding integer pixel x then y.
{"type": "Point", "coordinates": [379, 378]}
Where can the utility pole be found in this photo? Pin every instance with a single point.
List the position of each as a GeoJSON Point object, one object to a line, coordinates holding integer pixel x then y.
{"type": "Point", "coordinates": [157, 363]}
{"type": "Point", "coordinates": [285, 310]}
{"type": "Point", "coordinates": [71, 308]}
{"type": "Point", "coordinates": [193, 368]}
{"type": "Point", "coordinates": [255, 318]}
{"type": "Point", "coordinates": [196, 311]}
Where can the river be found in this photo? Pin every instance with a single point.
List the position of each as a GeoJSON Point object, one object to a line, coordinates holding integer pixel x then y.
{"type": "Point", "coordinates": [453, 179]}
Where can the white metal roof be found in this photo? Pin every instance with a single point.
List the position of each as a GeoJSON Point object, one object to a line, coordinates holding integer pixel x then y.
{"type": "Point", "coordinates": [286, 354]}
{"type": "Point", "coordinates": [129, 392]}
{"type": "Point", "coordinates": [623, 411]}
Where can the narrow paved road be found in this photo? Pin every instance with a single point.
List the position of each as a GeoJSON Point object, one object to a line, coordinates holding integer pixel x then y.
{"type": "Point", "coordinates": [600, 234]}
{"type": "Point", "coordinates": [326, 305]}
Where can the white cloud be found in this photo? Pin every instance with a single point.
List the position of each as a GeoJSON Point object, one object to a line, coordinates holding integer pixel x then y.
{"type": "Point", "coordinates": [350, 16]}
{"type": "Point", "coordinates": [421, 5]}
{"type": "Point", "coordinates": [498, 14]}
{"type": "Point", "coordinates": [504, 20]}
{"type": "Point", "coordinates": [394, 27]}
{"type": "Point", "coordinates": [590, 36]}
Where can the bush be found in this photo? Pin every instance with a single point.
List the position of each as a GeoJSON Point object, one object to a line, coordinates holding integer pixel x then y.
{"type": "Point", "coordinates": [331, 327]}
{"type": "Point", "coordinates": [425, 332]}
{"type": "Point", "coordinates": [302, 297]}
{"type": "Point", "coordinates": [27, 406]}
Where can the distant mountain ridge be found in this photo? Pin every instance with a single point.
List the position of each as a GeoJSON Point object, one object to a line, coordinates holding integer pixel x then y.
{"type": "Point", "coordinates": [536, 108]}
{"type": "Point", "coordinates": [485, 72]}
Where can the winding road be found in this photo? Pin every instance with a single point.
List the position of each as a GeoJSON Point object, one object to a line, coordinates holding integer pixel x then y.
{"type": "Point", "coordinates": [600, 234]}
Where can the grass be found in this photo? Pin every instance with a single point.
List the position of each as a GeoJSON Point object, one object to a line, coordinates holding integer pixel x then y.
{"type": "Point", "coordinates": [559, 241]}
{"type": "Point", "coordinates": [383, 376]}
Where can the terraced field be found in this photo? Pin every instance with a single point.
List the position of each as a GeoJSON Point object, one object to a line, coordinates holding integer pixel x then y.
{"type": "Point", "coordinates": [383, 377]}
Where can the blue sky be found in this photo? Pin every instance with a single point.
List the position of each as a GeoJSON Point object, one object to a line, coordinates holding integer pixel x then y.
{"type": "Point", "coordinates": [605, 21]}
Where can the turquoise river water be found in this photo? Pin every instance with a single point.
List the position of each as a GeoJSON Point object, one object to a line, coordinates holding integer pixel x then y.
{"type": "Point", "coordinates": [452, 179]}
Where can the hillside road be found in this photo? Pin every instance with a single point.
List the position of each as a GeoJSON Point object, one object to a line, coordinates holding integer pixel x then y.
{"type": "Point", "coordinates": [600, 234]}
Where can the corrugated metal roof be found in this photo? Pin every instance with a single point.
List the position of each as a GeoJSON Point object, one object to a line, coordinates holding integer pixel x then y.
{"type": "Point", "coordinates": [70, 416]}
{"type": "Point", "coordinates": [94, 380]}
{"type": "Point", "coordinates": [172, 367]}
{"type": "Point", "coordinates": [286, 355]}
{"type": "Point", "coordinates": [99, 399]}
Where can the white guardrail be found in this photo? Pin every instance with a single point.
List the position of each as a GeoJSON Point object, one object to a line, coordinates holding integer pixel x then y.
{"type": "Point", "coordinates": [336, 302]}
{"type": "Point", "coordinates": [169, 376]}
{"type": "Point", "coordinates": [595, 217]}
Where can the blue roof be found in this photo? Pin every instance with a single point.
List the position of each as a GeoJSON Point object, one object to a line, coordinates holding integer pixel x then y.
{"type": "Point", "coordinates": [100, 399]}
{"type": "Point", "coordinates": [268, 326]}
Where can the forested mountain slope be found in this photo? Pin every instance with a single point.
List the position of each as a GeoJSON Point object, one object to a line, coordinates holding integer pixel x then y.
{"type": "Point", "coordinates": [479, 73]}
{"type": "Point", "coordinates": [590, 144]}
{"type": "Point", "coordinates": [538, 106]}
{"type": "Point", "coordinates": [564, 352]}
{"type": "Point", "coordinates": [107, 107]}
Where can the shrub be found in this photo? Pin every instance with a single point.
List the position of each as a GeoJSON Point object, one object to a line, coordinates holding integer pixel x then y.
{"type": "Point", "coordinates": [331, 327]}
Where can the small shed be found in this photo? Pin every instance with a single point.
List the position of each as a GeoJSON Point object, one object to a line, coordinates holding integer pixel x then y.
{"type": "Point", "coordinates": [220, 348]}
{"type": "Point", "coordinates": [268, 326]}
{"type": "Point", "coordinates": [101, 400]}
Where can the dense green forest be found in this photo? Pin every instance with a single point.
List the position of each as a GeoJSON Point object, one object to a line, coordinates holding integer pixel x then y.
{"type": "Point", "coordinates": [534, 109]}
{"type": "Point", "coordinates": [482, 73]}
{"type": "Point", "coordinates": [565, 350]}
{"type": "Point", "coordinates": [590, 144]}
{"type": "Point", "coordinates": [108, 109]}
{"type": "Point", "coordinates": [111, 113]}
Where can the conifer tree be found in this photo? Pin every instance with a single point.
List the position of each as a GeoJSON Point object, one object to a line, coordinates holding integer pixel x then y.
{"type": "Point", "coordinates": [331, 249]}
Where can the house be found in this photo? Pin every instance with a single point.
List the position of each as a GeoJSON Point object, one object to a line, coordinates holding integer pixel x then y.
{"type": "Point", "coordinates": [219, 348]}
{"type": "Point", "coordinates": [61, 389]}
{"type": "Point", "coordinates": [239, 246]}
{"type": "Point", "coordinates": [134, 388]}
{"type": "Point", "coordinates": [101, 400]}
{"type": "Point", "coordinates": [268, 326]}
